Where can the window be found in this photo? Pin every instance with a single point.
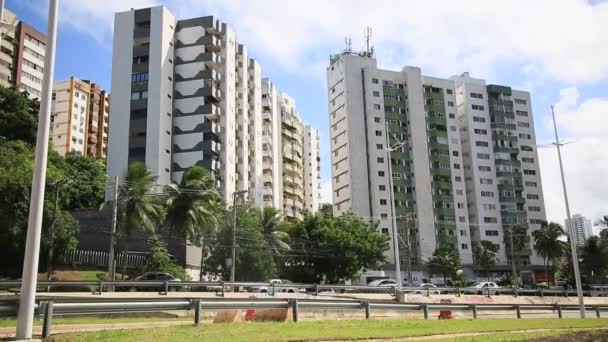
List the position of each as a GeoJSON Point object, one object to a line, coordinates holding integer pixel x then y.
{"type": "Point", "coordinates": [489, 206]}
{"type": "Point", "coordinates": [487, 194]}
{"type": "Point", "coordinates": [491, 232]}
{"type": "Point", "coordinates": [527, 160]}
{"type": "Point", "coordinates": [459, 192]}
{"type": "Point", "coordinates": [525, 136]}
{"type": "Point", "coordinates": [521, 112]}
{"type": "Point", "coordinates": [536, 209]}
{"type": "Point", "coordinates": [489, 220]}
{"type": "Point", "coordinates": [376, 93]}
{"type": "Point", "coordinates": [536, 221]}
{"type": "Point", "coordinates": [461, 218]}
{"type": "Point", "coordinates": [527, 148]}
{"type": "Point", "coordinates": [477, 107]}
{"type": "Point", "coordinates": [378, 133]}
{"type": "Point", "coordinates": [448, 91]}
{"type": "Point", "coordinates": [523, 124]}
{"type": "Point", "coordinates": [384, 216]}
{"type": "Point", "coordinates": [479, 119]}
{"type": "Point", "coordinates": [382, 187]}
{"type": "Point", "coordinates": [380, 160]}
{"type": "Point", "coordinates": [531, 184]}
{"type": "Point", "coordinates": [376, 119]}
{"type": "Point", "coordinates": [486, 181]}
{"type": "Point", "coordinates": [521, 101]}
{"type": "Point", "coordinates": [480, 131]}
{"type": "Point", "coordinates": [458, 179]}
{"type": "Point", "coordinates": [464, 246]}
{"type": "Point", "coordinates": [374, 80]}
{"type": "Point", "coordinates": [376, 106]}
{"type": "Point", "coordinates": [483, 156]}
{"type": "Point", "coordinates": [477, 95]}
{"type": "Point", "coordinates": [452, 116]}
{"type": "Point", "coordinates": [481, 143]}
{"type": "Point", "coordinates": [455, 153]}
{"type": "Point", "coordinates": [484, 168]}
{"type": "Point", "coordinates": [379, 146]}
{"type": "Point", "coordinates": [380, 173]}
{"type": "Point", "coordinates": [532, 196]}
{"type": "Point", "coordinates": [530, 172]}
{"type": "Point", "coordinates": [382, 202]}
{"type": "Point", "coordinates": [457, 166]}
{"type": "Point", "coordinates": [141, 77]}
{"type": "Point", "coordinates": [450, 103]}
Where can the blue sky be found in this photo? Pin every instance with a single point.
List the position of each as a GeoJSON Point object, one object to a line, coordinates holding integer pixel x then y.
{"type": "Point", "coordinates": [557, 49]}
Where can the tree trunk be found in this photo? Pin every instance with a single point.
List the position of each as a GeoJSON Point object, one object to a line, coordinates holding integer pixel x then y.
{"type": "Point", "coordinates": [546, 274]}
{"type": "Point", "coordinates": [202, 267]}
{"type": "Point", "coordinates": [124, 259]}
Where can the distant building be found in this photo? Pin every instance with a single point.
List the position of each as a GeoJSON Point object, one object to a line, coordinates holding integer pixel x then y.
{"type": "Point", "coordinates": [581, 227]}
{"type": "Point", "coordinates": [22, 50]}
{"type": "Point", "coordinates": [79, 118]}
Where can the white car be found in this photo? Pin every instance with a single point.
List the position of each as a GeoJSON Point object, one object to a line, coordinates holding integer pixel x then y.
{"type": "Point", "coordinates": [422, 289]}
{"type": "Point", "coordinates": [482, 288]}
{"type": "Point", "coordinates": [383, 283]}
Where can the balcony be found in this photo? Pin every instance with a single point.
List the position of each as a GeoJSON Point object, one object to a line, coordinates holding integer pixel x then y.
{"type": "Point", "coordinates": [212, 25]}
{"type": "Point", "coordinates": [211, 128]}
{"type": "Point", "coordinates": [212, 146]}
{"type": "Point", "coordinates": [211, 74]}
{"type": "Point", "coordinates": [211, 111]}
{"type": "Point", "coordinates": [211, 164]}
{"type": "Point", "coordinates": [212, 43]}
{"type": "Point", "coordinates": [212, 59]}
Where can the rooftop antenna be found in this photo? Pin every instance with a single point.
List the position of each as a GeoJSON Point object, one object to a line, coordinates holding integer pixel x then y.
{"type": "Point", "coordinates": [369, 49]}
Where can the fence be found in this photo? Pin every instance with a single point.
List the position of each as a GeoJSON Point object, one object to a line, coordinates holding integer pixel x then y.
{"type": "Point", "coordinates": [80, 257]}
{"type": "Point", "coordinates": [48, 309]}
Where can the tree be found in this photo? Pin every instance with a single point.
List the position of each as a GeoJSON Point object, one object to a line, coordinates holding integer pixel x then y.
{"type": "Point", "coordinates": [87, 181]}
{"type": "Point", "coordinates": [18, 116]}
{"type": "Point", "coordinates": [138, 209]}
{"type": "Point", "coordinates": [270, 221]}
{"type": "Point", "coordinates": [517, 236]}
{"type": "Point", "coordinates": [594, 255]}
{"type": "Point", "coordinates": [159, 259]}
{"type": "Point", "coordinates": [546, 243]}
{"type": "Point", "coordinates": [444, 261]}
{"type": "Point", "coordinates": [484, 255]}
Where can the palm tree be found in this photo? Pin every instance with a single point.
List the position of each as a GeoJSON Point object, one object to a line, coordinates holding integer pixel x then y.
{"type": "Point", "coordinates": [546, 243]}
{"type": "Point", "coordinates": [270, 221]}
{"type": "Point", "coordinates": [444, 261]}
{"type": "Point", "coordinates": [193, 207]}
{"type": "Point", "coordinates": [595, 259]}
{"type": "Point", "coordinates": [137, 208]}
{"type": "Point", "coordinates": [484, 255]}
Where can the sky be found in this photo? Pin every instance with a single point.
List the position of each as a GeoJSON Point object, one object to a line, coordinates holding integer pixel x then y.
{"type": "Point", "coordinates": [556, 49]}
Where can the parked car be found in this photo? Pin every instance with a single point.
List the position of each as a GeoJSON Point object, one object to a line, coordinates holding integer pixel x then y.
{"type": "Point", "coordinates": [153, 276]}
{"type": "Point", "coordinates": [482, 288]}
{"type": "Point", "coordinates": [383, 283]}
{"type": "Point", "coordinates": [268, 288]}
{"type": "Point", "coordinates": [422, 289]}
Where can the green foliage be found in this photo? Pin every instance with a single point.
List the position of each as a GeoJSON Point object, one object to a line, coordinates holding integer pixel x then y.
{"type": "Point", "coordinates": [444, 261]}
{"type": "Point", "coordinates": [546, 243]}
{"type": "Point", "coordinates": [484, 255]}
{"type": "Point", "coordinates": [270, 220]}
{"type": "Point", "coordinates": [18, 116]}
{"type": "Point", "coordinates": [87, 181]}
{"type": "Point", "coordinates": [332, 249]}
{"type": "Point", "coordinates": [594, 255]}
{"type": "Point", "coordinates": [159, 259]}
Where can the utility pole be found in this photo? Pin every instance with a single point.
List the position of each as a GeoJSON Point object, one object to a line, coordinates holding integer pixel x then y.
{"type": "Point", "coordinates": [513, 269]}
{"type": "Point", "coordinates": [112, 254]}
{"type": "Point", "coordinates": [49, 262]}
{"type": "Point", "coordinates": [34, 226]}
{"type": "Point", "coordinates": [577, 274]}
{"type": "Point", "coordinates": [390, 148]}
{"type": "Point", "coordinates": [235, 195]}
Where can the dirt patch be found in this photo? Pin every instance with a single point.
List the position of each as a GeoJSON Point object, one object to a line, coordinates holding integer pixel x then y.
{"type": "Point", "coordinates": [583, 336]}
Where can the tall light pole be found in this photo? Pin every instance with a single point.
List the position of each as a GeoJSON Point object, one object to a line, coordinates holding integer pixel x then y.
{"type": "Point", "coordinates": [577, 274]}
{"type": "Point", "coordinates": [390, 148]}
{"type": "Point", "coordinates": [235, 195]}
{"type": "Point", "coordinates": [34, 225]}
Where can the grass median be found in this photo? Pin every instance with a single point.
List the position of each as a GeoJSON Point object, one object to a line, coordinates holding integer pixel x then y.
{"type": "Point", "coordinates": [328, 330]}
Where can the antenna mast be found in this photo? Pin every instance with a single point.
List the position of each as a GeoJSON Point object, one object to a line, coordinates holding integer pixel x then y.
{"type": "Point", "coordinates": [369, 49]}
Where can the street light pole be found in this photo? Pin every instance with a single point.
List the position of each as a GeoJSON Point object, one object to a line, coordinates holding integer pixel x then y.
{"type": "Point", "coordinates": [235, 195]}
{"type": "Point", "coordinates": [392, 200]}
{"type": "Point", "coordinates": [577, 274]}
{"type": "Point", "coordinates": [112, 254]}
{"type": "Point", "coordinates": [34, 226]}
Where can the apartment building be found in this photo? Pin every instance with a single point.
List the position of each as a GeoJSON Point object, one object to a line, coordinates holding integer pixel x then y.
{"type": "Point", "coordinates": [581, 228]}
{"type": "Point", "coordinates": [406, 119]}
{"type": "Point", "coordinates": [22, 49]}
{"type": "Point", "coordinates": [79, 118]}
{"type": "Point", "coordinates": [312, 169]}
{"type": "Point", "coordinates": [292, 158]}
{"type": "Point", "coordinates": [271, 146]}
{"type": "Point", "coordinates": [502, 174]}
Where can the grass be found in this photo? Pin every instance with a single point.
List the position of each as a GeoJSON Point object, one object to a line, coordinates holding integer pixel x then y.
{"type": "Point", "coordinates": [264, 331]}
{"type": "Point", "coordinates": [511, 336]}
{"type": "Point", "coordinates": [11, 322]}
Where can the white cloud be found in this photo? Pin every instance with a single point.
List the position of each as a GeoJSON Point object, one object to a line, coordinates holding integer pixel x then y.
{"type": "Point", "coordinates": [326, 196]}
{"type": "Point", "coordinates": [585, 161]}
{"type": "Point", "coordinates": [565, 40]}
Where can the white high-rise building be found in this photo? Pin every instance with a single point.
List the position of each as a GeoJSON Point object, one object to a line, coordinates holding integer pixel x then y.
{"type": "Point", "coordinates": [427, 180]}
{"type": "Point", "coordinates": [581, 226]}
{"type": "Point", "coordinates": [502, 172]}
{"type": "Point", "coordinates": [312, 169]}
{"type": "Point", "coordinates": [271, 146]}
{"type": "Point", "coordinates": [292, 154]}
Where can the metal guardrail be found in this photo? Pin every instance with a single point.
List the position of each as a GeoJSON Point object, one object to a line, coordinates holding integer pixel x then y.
{"type": "Point", "coordinates": [220, 287]}
{"type": "Point", "coordinates": [49, 309]}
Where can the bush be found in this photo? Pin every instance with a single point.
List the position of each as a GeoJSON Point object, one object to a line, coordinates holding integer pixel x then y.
{"type": "Point", "coordinates": [160, 260]}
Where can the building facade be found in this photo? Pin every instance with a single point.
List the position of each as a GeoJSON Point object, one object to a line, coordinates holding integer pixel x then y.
{"type": "Point", "coordinates": [292, 158]}
{"type": "Point", "coordinates": [581, 228]}
{"type": "Point", "coordinates": [22, 50]}
{"type": "Point", "coordinates": [271, 146]}
{"type": "Point", "coordinates": [312, 169]}
{"type": "Point", "coordinates": [79, 118]}
{"type": "Point", "coordinates": [462, 168]}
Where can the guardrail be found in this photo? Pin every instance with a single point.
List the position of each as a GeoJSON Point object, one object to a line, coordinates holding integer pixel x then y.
{"type": "Point", "coordinates": [221, 287]}
{"type": "Point", "coordinates": [49, 309]}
